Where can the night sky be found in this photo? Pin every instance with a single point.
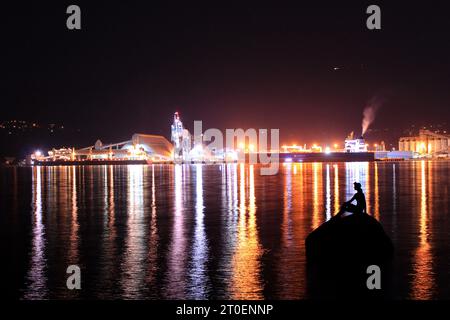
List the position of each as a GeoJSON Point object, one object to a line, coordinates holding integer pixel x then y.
{"type": "Point", "coordinates": [259, 65]}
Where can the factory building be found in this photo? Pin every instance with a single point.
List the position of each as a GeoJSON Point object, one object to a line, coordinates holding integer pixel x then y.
{"type": "Point", "coordinates": [145, 147]}
{"type": "Point", "coordinates": [427, 143]}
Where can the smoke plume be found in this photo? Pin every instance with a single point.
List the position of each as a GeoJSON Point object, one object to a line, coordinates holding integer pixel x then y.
{"type": "Point", "coordinates": [370, 112]}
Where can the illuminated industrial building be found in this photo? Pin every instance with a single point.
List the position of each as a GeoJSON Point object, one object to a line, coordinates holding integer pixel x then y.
{"type": "Point", "coordinates": [427, 144]}
{"type": "Point", "coordinates": [143, 147]}
{"type": "Point", "coordinates": [181, 138]}
{"type": "Point", "coordinates": [146, 148]}
{"type": "Point", "coordinates": [185, 151]}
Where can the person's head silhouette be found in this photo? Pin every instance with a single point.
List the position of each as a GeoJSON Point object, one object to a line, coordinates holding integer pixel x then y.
{"type": "Point", "coordinates": [357, 186]}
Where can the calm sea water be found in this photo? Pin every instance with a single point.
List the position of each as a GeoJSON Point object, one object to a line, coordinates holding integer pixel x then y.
{"type": "Point", "coordinates": [212, 231]}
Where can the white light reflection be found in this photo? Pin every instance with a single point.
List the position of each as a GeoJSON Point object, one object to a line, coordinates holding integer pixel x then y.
{"type": "Point", "coordinates": [108, 255]}
{"type": "Point", "coordinates": [37, 280]}
{"type": "Point", "coordinates": [198, 268]}
{"type": "Point", "coordinates": [74, 238]}
{"type": "Point", "coordinates": [176, 281]}
{"type": "Point", "coordinates": [134, 255]}
{"type": "Point", "coordinates": [154, 238]}
{"type": "Point", "coordinates": [287, 205]}
{"type": "Point", "coordinates": [229, 225]}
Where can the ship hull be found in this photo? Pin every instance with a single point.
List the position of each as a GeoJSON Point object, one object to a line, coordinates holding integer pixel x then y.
{"type": "Point", "coordinates": [327, 157]}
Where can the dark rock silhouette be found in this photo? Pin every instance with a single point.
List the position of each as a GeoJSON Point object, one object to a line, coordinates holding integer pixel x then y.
{"type": "Point", "coordinates": [339, 252]}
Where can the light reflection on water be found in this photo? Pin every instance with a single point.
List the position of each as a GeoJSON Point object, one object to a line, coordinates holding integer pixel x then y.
{"type": "Point", "coordinates": [177, 255]}
{"type": "Point", "coordinates": [152, 261]}
{"type": "Point", "coordinates": [133, 264]}
{"type": "Point", "coordinates": [198, 284]}
{"type": "Point", "coordinates": [245, 264]}
{"type": "Point", "coordinates": [317, 193]}
{"type": "Point", "coordinates": [422, 282]}
{"type": "Point", "coordinates": [36, 284]}
{"type": "Point", "coordinates": [222, 231]}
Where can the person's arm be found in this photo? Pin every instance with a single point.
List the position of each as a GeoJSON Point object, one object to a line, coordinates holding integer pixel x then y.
{"type": "Point", "coordinates": [352, 199]}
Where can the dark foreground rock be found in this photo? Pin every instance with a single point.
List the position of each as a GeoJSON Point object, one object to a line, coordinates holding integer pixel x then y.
{"type": "Point", "coordinates": [339, 253]}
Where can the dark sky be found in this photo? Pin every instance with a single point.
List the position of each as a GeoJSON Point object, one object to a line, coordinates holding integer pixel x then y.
{"type": "Point", "coordinates": [261, 65]}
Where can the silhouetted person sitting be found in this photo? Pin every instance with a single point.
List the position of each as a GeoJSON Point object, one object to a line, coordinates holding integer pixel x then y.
{"type": "Point", "coordinates": [360, 206]}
